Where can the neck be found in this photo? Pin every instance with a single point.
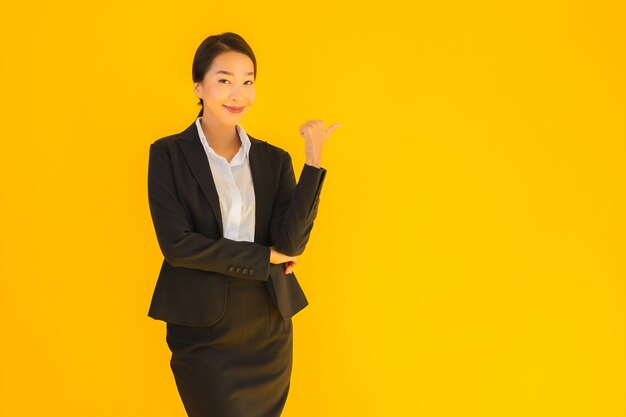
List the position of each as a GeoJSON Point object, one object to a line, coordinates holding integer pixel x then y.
{"type": "Point", "coordinates": [220, 136]}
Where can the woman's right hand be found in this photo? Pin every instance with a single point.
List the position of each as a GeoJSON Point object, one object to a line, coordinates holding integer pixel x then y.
{"type": "Point", "coordinates": [280, 258]}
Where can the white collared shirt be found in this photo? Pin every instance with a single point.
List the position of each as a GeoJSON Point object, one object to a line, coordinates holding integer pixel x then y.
{"type": "Point", "coordinates": [233, 181]}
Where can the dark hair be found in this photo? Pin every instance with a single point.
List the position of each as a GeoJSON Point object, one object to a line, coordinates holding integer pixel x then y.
{"type": "Point", "coordinates": [212, 47]}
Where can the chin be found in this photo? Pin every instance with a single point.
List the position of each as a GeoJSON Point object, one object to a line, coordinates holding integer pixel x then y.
{"type": "Point", "coordinates": [232, 122]}
{"type": "Point", "coordinates": [228, 121]}
{"type": "Point", "coordinates": [235, 119]}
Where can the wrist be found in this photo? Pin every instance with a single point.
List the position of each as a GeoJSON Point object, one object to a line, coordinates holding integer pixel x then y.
{"type": "Point", "coordinates": [314, 158]}
{"type": "Point", "coordinates": [317, 163]}
{"type": "Point", "coordinates": [314, 150]}
{"type": "Point", "coordinates": [272, 256]}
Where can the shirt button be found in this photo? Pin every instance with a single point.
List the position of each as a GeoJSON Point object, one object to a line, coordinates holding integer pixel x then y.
{"type": "Point", "coordinates": [231, 269]}
{"type": "Point", "coordinates": [244, 271]}
{"type": "Point", "coordinates": [251, 271]}
{"type": "Point", "coordinates": [238, 270]}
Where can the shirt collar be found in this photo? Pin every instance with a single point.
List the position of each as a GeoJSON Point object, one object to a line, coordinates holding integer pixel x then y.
{"type": "Point", "coordinates": [245, 140]}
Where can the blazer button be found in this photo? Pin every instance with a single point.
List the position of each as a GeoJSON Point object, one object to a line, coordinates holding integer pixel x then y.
{"type": "Point", "coordinates": [238, 270]}
{"type": "Point", "coordinates": [251, 271]}
{"type": "Point", "coordinates": [244, 271]}
{"type": "Point", "coordinates": [231, 269]}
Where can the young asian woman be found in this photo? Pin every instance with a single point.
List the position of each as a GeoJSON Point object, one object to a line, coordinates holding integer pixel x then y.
{"type": "Point", "coordinates": [231, 221]}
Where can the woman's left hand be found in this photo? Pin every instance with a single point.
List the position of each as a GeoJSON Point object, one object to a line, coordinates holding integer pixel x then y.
{"type": "Point", "coordinates": [315, 135]}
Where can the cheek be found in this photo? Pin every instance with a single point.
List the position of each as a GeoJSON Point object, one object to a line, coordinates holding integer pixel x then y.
{"type": "Point", "coordinates": [218, 97]}
{"type": "Point", "coordinates": [251, 95]}
{"type": "Point", "coordinates": [217, 92]}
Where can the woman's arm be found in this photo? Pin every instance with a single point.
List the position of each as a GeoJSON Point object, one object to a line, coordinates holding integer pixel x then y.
{"type": "Point", "coordinates": [295, 207]}
{"type": "Point", "coordinates": [183, 248]}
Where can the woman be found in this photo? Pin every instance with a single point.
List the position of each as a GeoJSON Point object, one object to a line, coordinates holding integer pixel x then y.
{"type": "Point", "coordinates": [230, 221]}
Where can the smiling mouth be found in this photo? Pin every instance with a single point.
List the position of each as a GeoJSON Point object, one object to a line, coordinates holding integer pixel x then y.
{"type": "Point", "coordinates": [234, 109]}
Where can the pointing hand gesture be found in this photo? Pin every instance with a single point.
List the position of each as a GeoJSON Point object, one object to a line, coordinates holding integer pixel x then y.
{"type": "Point", "coordinates": [315, 135]}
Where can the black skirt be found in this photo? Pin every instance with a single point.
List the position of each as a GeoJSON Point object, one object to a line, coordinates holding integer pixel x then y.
{"type": "Point", "coordinates": [241, 365]}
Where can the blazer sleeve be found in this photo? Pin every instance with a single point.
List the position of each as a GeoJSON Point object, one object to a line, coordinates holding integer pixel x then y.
{"type": "Point", "coordinates": [183, 247]}
{"type": "Point", "coordinates": [295, 207]}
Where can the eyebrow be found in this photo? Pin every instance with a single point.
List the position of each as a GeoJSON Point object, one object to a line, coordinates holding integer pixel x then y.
{"type": "Point", "coordinates": [230, 73]}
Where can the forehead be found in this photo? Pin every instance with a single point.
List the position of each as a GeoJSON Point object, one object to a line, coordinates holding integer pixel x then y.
{"type": "Point", "coordinates": [232, 63]}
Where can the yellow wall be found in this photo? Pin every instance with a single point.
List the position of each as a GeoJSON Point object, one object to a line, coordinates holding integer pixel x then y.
{"type": "Point", "coordinates": [468, 256]}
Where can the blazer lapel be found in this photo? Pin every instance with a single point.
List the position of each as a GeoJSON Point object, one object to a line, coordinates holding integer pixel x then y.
{"type": "Point", "coordinates": [193, 150]}
{"type": "Point", "coordinates": [260, 168]}
{"type": "Point", "coordinates": [262, 175]}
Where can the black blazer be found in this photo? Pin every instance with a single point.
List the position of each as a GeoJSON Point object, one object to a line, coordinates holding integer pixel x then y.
{"type": "Point", "coordinates": [192, 284]}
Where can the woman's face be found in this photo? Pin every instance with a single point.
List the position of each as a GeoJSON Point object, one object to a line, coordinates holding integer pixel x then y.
{"type": "Point", "coordinates": [229, 82]}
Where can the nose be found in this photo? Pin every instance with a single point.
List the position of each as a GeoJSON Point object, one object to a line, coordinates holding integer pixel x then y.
{"type": "Point", "coordinates": [235, 94]}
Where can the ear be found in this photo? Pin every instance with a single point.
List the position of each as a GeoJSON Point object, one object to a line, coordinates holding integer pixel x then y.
{"type": "Point", "coordinates": [197, 89]}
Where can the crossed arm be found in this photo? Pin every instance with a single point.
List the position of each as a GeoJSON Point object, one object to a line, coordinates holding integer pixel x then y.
{"type": "Point", "coordinates": [294, 210]}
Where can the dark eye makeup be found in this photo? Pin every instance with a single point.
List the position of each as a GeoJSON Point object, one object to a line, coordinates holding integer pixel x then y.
{"type": "Point", "coordinates": [229, 81]}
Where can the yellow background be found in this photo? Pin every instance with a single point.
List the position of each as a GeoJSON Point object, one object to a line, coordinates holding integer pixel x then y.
{"type": "Point", "coordinates": [468, 255]}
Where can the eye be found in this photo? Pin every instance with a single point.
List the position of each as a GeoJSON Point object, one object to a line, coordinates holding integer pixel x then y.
{"type": "Point", "coordinates": [249, 81]}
